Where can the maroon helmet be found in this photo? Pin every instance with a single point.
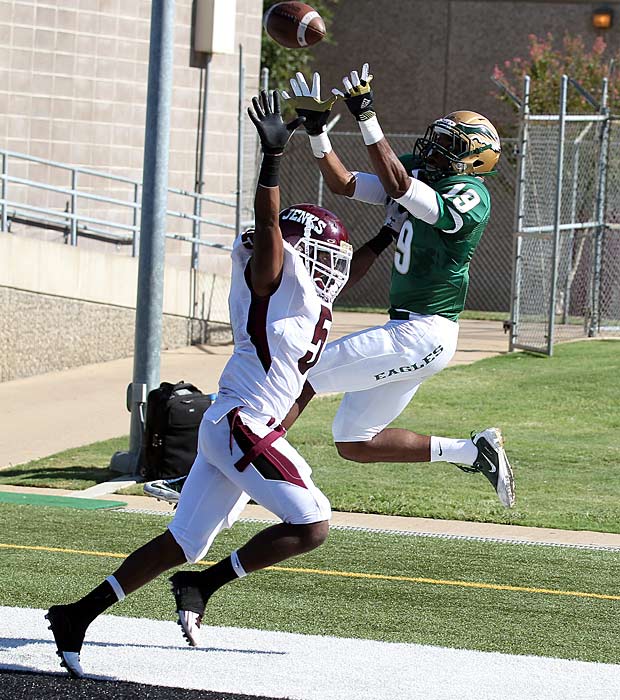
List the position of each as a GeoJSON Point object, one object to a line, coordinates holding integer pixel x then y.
{"type": "Point", "coordinates": [323, 243]}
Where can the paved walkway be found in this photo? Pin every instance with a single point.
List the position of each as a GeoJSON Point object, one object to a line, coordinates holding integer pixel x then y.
{"type": "Point", "coordinates": [52, 412]}
{"type": "Point", "coordinates": [390, 523]}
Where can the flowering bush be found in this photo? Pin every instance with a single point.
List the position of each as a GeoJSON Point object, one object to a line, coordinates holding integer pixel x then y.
{"type": "Point", "coordinates": [546, 64]}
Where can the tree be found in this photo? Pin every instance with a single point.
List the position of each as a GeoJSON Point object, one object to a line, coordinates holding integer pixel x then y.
{"type": "Point", "coordinates": [546, 64]}
{"type": "Point", "coordinates": [283, 63]}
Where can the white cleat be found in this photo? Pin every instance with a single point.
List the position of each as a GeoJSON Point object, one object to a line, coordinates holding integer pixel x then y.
{"type": "Point", "coordinates": [71, 661]}
{"type": "Point", "coordinates": [190, 624]}
{"type": "Point", "coordinates": [493, 463]}
{"type": "Point", "coordinates": [168, 490]}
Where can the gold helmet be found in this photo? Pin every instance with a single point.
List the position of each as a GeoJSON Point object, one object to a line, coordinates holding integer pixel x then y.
{"type": "Point", "coordinates": [461, 143]}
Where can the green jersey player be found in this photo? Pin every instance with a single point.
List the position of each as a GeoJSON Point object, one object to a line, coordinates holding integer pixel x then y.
{"type": "Point", "coordinates": [440, 206]}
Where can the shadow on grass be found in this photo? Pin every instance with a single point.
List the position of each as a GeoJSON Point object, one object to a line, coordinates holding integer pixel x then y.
{"type": "Point", "coordinates": [74, 473]}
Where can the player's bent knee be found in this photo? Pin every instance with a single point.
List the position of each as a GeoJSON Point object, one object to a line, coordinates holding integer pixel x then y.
{"type": "Point", "coordinates": [313, 535]}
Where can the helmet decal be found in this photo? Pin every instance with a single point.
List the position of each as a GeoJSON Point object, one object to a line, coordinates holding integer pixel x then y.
{"type": "Point", "coordinates": [462, 142]}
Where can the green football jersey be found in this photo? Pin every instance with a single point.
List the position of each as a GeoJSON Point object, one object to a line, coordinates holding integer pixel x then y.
{"type": "Point", "coordinates": [430, 274]}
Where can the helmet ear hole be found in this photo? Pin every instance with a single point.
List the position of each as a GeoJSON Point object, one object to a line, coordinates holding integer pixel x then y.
{"type": "Point", "coordinates": [478, 162]}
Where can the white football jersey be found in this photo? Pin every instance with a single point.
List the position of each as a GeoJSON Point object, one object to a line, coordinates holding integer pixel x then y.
{"type": "Point", "coordinates": [277, 338]}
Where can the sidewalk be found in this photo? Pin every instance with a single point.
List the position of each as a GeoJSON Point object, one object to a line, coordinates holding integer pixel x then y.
{"type": "Point", "coordinates": [52, 412]}
{"type": "Point", "coordinates": [386, 523]}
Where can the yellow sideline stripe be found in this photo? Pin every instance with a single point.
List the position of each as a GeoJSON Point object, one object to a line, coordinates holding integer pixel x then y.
{"type": "Point", "coordinates": [348, 574]}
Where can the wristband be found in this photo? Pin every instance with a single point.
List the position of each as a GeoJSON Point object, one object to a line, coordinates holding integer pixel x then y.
{"type": "Point", "coordinates": [321, 145]}
{"type": "Point", "coordinates": [381, 241]}
{"type": "Point", "coordinates": [269, 170]}
{"type": "Point", "coordinates": [371, 131]}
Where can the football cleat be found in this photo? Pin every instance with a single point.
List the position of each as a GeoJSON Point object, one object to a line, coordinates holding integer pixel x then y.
{"type": "Point", "coordinates": [168, 490]}
{"type": "Point", "coordinates": [190, 604]}
{"type": "Point", "coordinates": [493, 463]}
{"type": "Point", "coordinates": [69, 637]}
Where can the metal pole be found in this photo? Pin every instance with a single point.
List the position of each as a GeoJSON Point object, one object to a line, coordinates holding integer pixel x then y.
{"type": "Point", "coordinates": [571, 237]}
{"type": "Point", "coordinates": [73, 207]}
{"type": "Point", "coordinates": [4, 189]}
{"type": "Point", "coordinates": [600, 214]}
{"type": "Point", "coordinates": [149, 306]}
{"type": "Point", "coordinates": [135, 241]}
{"type": "Point", "coordinates": [519, 197]}
{"type": "Point", "coordinates": [241, 122]}
{"type": "Point", "coordinates": [558, 214]}
{"type": "Point", "coordinates": [197, 226]}
{"type": "Point", "coordinates": [264, 79]}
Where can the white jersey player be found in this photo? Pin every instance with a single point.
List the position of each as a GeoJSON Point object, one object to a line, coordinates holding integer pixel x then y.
{"type": "Point", "coordinates": [286, 274]}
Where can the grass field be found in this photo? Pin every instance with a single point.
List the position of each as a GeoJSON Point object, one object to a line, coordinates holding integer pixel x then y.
{"type": "Point", "coordinates": [559, 416]}
{"type": "Point", "coordinates": [364, 585]}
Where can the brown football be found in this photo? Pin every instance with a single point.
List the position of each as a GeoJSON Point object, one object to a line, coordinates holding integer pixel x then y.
{"type": "Point", "coordinates": [294, 25]}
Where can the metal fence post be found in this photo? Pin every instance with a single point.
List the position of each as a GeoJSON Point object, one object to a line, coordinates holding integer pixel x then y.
{"type": "Point", "coordinates": [73, 206]}
{"type": "Point", "coordinates": [519, 199]}
{"type": "Point", "coordinates": [135, 239]}
{"type": "Point", "coordinates": [240, 132]}
{"type": "Point", "coordinates": [557, 219]}
{"type": "Point", "coordinates": [599, 236]}
{"type": "Point", "coordinates": [4, 190]}
{"type": "Point", "coordinates": [264, 78]}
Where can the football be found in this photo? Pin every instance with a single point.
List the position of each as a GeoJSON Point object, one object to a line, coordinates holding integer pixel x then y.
{"type": "Point", "coordinates": [294, 25]}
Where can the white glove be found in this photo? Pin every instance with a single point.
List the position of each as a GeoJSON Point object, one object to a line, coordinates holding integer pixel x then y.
{"type": "Point", "coordinates": [307, 103]}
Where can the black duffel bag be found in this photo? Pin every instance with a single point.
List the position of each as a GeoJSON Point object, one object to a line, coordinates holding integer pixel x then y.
{"type": "Point", "coordinates": [170, 440]}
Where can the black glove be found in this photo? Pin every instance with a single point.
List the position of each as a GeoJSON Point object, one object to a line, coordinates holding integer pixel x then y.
{"type": "Point", "coordinates": [358, 94]}
{"type": "Point", "coordinates": [307, 103]}
{"type": "Point", "coordinates": [274, 134]}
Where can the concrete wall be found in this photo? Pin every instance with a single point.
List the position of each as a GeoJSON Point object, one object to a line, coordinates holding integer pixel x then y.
{"type": "Point", "coordinates": [430, 57]}
{"type": "Point", "coordinates": [73, 84]}
{"type": "Point", "coordinates": [66, 307]}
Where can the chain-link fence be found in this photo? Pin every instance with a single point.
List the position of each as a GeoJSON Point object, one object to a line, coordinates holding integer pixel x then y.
{"type": "Point", "coordinates": [566, 274]}
{"type": "Point", "coordinates": [491, 267]}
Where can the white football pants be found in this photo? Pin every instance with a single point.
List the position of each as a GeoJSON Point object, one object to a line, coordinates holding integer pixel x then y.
{"type": "Point", "coordinates": [216, 492]}
{"type": "Point", "coordinates": [380, 369]}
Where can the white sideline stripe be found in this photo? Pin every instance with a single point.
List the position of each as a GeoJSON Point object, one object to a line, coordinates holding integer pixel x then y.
{"type": "Point", "coordinates": [301, 667]}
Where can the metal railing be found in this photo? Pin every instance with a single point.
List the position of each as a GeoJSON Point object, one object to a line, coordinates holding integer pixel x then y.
{"type": "Point", "coordinates": [75, 221]}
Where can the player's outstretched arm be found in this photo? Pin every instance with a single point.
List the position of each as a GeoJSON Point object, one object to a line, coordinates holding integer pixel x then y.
{"type": "Point", "coordinates": [358, 96]}
{"type": "Point", "coordinates": [306, 100]}
{"type": "Point", "coordinates": [268, 251]}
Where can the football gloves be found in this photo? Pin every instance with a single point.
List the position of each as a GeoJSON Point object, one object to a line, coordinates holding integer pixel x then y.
{"type": "Point", "coordinates": [358, 94]}
{"type": "Point", "coordinates": [274, 134]}
{"type": "Point", "coordinates": [307, 103]}
{"type": "Point", "coordinates": [395, 217]}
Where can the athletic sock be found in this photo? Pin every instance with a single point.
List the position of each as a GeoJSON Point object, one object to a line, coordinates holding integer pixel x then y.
{"type": "Point", "coordinates": [98, 600]}
{"type": "Point", "coordinates": [219, 574]}
{"type": "Point", "coordinates": [451, 450]}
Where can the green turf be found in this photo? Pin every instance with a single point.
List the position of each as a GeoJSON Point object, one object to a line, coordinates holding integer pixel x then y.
{"type": "Point", "coordinates": [559, 416]}
{"type": "Point", "coordinates": [398, 611]}
{"type": "Point", "coordinates": [58, 501]}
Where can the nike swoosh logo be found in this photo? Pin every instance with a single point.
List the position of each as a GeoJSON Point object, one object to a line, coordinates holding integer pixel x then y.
{"type": "Point", "coordinates": [493, 467]}
{"type": "Point", "coordinates": [458, 222]}
{"type": "Point", "coordinates": [440, 450]}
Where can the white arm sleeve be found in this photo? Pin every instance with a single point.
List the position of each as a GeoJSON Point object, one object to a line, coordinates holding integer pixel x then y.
{"type": "Point", "coordinates": [421, 201]}
{"type": "Point", "coordinates": [368, 188]}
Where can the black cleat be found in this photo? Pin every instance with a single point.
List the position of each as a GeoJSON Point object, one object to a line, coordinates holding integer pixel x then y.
{"type": "Point", "coordinates": [69, 637]}
{"type": "Point", "coordinates": [190, 604]}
